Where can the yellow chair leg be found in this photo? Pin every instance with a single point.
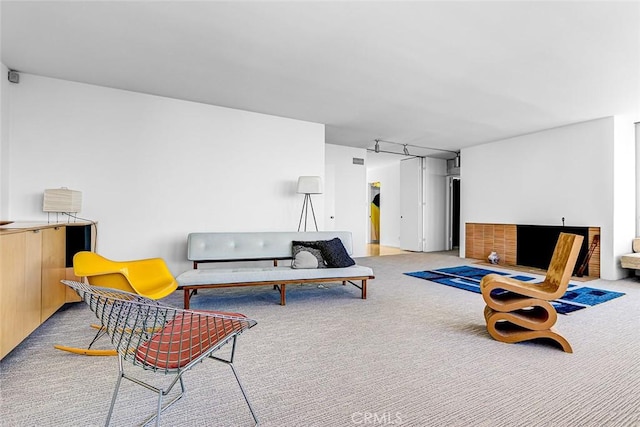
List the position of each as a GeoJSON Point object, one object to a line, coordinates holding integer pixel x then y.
{"type": "Point", "coordinates": [86, 351]}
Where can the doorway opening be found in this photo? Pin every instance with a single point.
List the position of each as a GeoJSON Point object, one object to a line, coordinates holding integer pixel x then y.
{"type": "Point", "coordinates": [454, 212]}
{"type": "Point", "coordinates": [374, 212]}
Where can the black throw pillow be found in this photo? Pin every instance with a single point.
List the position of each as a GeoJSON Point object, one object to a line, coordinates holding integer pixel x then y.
{"type": "Point", "coordinates": [335, 254]}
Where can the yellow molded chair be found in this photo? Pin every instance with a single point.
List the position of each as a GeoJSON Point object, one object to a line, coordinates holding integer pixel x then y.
{"type": "Point", "coordinates": [149, 278]}
{"type": "Point", "coordinates": [520, 311]}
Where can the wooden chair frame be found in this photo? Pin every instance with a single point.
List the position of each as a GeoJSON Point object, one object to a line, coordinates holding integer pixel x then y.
{"type": "Point", "coordinates": [524, 311]}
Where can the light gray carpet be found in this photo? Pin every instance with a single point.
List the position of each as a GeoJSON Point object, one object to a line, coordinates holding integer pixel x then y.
{"type": "Point", "coordinates": [414, 354]}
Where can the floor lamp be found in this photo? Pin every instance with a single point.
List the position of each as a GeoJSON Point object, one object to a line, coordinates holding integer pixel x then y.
{"type": "Point", "coordinates": [308, 185]}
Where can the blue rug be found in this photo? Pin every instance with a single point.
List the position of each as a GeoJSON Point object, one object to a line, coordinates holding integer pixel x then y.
{"type": "Point", "coordinates": [468, 277]}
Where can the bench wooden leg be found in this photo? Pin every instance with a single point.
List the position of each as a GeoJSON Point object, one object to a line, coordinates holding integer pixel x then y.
{"type": "Point", "coordinates": [283, 298]}
{"type": "Point", "coordinates": [364, 289]}
{"type": "Point", "coordinates": [186, 298]}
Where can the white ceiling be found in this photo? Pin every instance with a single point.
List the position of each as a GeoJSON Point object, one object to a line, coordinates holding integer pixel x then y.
{"type": "Point", "coordinates": [435, 74]}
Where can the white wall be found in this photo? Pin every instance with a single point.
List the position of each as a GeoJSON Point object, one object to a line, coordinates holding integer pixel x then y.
{"type": "Point", "coordinates": [389, 178]}
{"type": "Point", "coordinates": [4, 142]}
{"type": "Point", "coordinates": [348, 189]}
{"type": "Point", "coordinates": [3, 129]}
{"type": "Point", "coordinates": [542, 177]}
{"type": "Point", "coordinates": [624, 186]}
{"type": "Point", "coordinates": [637, 132]}
{"type": "Point", "coordinates": [153, 169]}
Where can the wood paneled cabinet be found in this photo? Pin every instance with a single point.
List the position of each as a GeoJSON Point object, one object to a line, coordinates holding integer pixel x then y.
{"type": "Point", "coordinates": [53, 271]}
{"type": "Point", "coordinates": [32, 263]}
{"type": "Point", "coordinates": [20, 287]}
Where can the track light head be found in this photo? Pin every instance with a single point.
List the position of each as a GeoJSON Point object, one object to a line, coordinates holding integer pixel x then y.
{"type": "Point", "coordinates": [405, 150]}
{"type": "Point", "coordinates": [377, 147]}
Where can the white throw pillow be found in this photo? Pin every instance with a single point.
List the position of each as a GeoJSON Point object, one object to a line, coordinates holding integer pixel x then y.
{"type": "Point", "coordinates": [304, 259]}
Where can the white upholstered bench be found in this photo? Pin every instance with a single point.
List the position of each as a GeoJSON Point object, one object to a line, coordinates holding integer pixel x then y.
{"type": "Point", "coordinates": [262, 246]}
{"type": "Point", "coordinates": [632, 260]}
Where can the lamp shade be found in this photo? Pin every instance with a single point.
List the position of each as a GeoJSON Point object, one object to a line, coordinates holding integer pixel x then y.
{"type": "Point", "coordinates": [62, 200]}
{"type": "Point", "coordinates": [310, 185]}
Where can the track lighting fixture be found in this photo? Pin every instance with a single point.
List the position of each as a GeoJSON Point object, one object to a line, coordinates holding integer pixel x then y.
{"type": "Point", "coordinates": [405, 149]}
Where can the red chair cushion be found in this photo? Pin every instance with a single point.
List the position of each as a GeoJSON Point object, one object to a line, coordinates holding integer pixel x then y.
{"type": "Point", "coordinates": [185, 338]}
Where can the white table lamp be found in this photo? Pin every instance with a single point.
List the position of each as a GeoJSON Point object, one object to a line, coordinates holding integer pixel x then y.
{"type": "Point", "coordinates": [62, 200]}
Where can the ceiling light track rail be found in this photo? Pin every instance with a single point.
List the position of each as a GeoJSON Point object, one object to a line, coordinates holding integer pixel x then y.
{"type": "Point", "coordinates": [373, 150]}
{"type": "Point", "coordinates": [405, 149]}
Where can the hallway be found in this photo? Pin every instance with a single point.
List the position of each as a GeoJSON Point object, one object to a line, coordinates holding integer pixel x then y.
{"type": "Point", "coordinates": [374, 249]}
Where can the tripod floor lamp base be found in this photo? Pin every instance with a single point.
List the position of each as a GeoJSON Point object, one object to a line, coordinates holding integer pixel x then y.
{"type": "Point", "coordinates": [308, 185]}
{"type": "Point", "coordinates": [305, 212]}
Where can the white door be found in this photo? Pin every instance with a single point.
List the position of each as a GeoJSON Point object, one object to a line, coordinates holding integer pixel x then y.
{"type": "Point", "coordinates": [411, 218]}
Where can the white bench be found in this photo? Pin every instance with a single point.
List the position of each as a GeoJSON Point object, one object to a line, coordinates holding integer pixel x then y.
{"type": "Point", "coordinates": [632, 260]}
{"type": "Point", "coordinates": [262, 246]}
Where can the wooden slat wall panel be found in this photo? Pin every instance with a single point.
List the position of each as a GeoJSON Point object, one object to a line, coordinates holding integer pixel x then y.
{"type": "Point", "coordinates": [470, 231]}
{"type": "Point", "coordinates": [481, 239]}
{"type": "Point", "coordinates": [488, 238]}
{"type": "Point", "coordinates": [499, 243]}
{"type": "Point", "coordinates": [594, 262]}
{"type": "Point", "coordinates": [478, 240]}
{"type": "Point", "coordinates": [475, 240]}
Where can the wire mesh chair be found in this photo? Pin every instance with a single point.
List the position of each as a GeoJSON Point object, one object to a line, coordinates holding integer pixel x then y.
{"type": "Point", "coordinates": [162, 339]}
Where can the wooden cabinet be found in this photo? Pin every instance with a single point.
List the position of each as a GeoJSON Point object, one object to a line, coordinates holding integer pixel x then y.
{"type": "Point", "coordinates": [32, 263]}
{"type": "Point", "coordinates": [20, 287]}
{"type": "Point", "coordinates": [53, 271]}
{"type": "Point", "coordinates": [71, 295]}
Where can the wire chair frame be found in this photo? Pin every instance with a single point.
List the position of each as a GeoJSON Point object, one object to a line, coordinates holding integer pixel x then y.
{"type": "Point", "coordinates": [161, 339]}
